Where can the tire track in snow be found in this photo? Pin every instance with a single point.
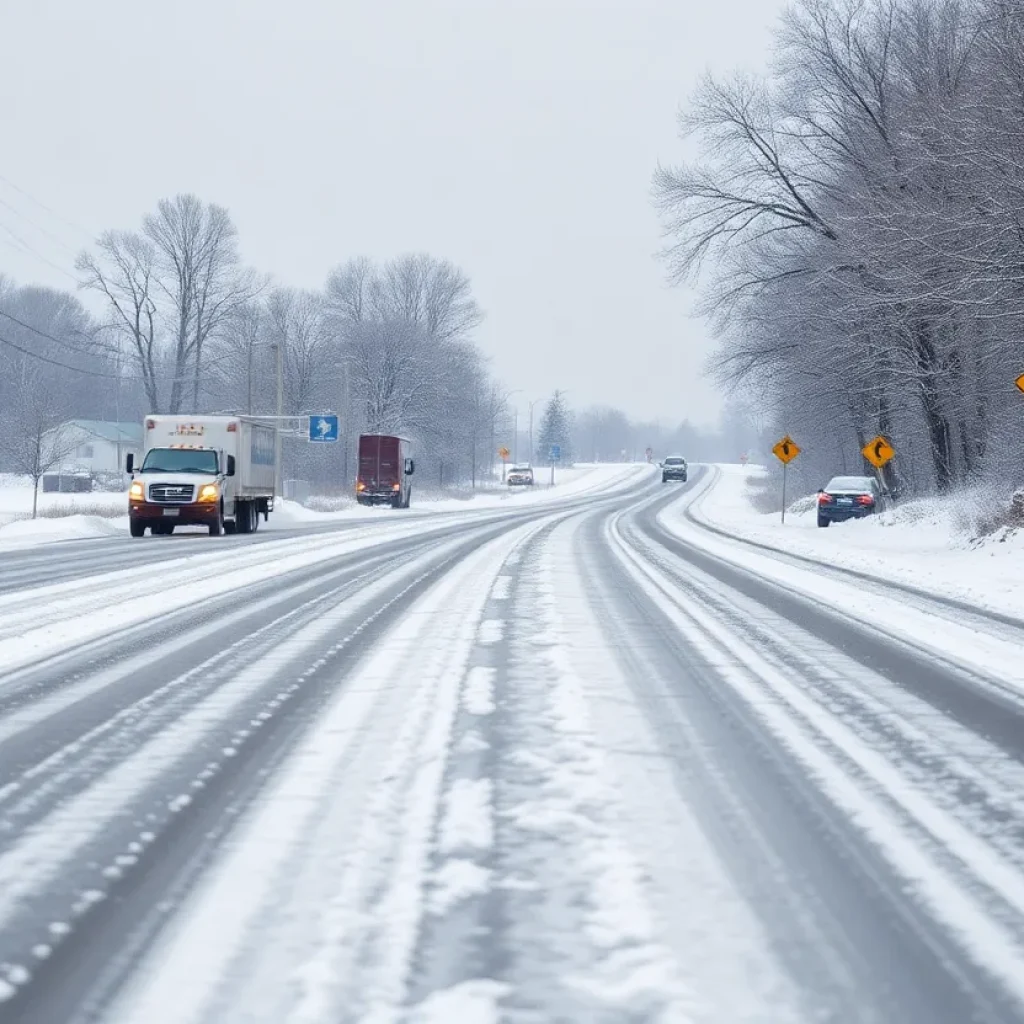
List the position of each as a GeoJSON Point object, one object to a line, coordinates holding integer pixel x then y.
{"type": "Point", "coordinates": [342, 839]}
{"type": "Point", "coordinates": [461, 956]}
{"type": "Point", "coordinates": [566, 931]}
{"type": "Point", "coordinates": [57, 878]}
{"type": "Point", "coordinates": [970, 777]}
{"type": "Point", "coordinates": [956, 961]}
{"type": "Point", "coordinates": [45, 782]}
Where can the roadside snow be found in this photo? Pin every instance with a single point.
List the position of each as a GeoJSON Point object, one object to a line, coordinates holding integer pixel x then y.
{"type": "Point", "coordinates": [18, 532]}
{"type": "Point", "coordinates": [28, 532]}
{"type": "Point", "coordinates": [920, 544]}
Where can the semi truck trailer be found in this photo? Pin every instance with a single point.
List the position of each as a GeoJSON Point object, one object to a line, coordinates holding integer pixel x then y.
{"type": "Point", "coordinates": [385, 465]}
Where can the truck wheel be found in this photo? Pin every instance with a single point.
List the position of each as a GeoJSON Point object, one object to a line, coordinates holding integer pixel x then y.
{"type": "Point", "coordinates": [138, 529]}
{"type": "Point", "coordinates": [217, 526]}
{"type": "Point", "coordinates": [243, 517]}
{"type": "Point", "coordinates": [231, 525]}
{"type": "Point", "coordinates": [255, 518]}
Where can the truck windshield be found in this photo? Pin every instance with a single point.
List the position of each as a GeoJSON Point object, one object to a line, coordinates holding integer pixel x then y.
{"type": "Point", "coordinates": [180, 460]}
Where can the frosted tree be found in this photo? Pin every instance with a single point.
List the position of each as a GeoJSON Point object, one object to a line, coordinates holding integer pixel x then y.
{"type": "Point", "coordinates": [555, 429]}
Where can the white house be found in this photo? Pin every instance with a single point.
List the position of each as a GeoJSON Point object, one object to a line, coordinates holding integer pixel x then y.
{"type": "Point", "coordinates": [96, 446]}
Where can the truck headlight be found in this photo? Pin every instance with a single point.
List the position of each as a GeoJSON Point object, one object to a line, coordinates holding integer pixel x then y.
{"type": "Point", "coordinates": [209, 492]}
{"type": "Point", "coordinates": [137, 492]}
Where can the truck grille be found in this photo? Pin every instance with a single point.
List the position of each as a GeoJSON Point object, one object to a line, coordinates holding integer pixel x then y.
{"type": "Point", "coordinates": [171, 494]}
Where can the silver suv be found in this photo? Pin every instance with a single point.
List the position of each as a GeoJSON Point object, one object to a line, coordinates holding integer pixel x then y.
{"type": "Point", "coordinates": [673, 468]}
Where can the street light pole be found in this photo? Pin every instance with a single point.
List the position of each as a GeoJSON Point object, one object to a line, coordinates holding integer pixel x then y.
{"type": "Point", "coordinates": [515, 436]}
{"type": "Point", "coordinates": [278, 474]}
{"type": "Point", "coordinates": [532, 404]}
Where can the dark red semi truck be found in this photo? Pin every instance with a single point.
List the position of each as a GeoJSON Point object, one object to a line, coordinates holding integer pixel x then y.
{"type": "Point", "coordinates": [385, 465]}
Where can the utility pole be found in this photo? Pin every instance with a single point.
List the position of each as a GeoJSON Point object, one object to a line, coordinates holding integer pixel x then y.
{"type": "Point", "coordinates": [532, 404]}
{"type": "Point", "coordinates": [278, 469]}
{"type": "Point", "coordinates": [494, 416]}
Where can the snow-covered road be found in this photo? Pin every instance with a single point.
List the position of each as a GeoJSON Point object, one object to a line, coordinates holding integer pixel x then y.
{"type": "Point", "coordinates": [578, 761]}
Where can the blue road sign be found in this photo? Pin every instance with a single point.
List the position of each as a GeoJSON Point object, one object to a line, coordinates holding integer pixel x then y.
{"type": "Point", "coordinates": [323, 428]}
{"type": "Point", "coordinates": [556, 452]}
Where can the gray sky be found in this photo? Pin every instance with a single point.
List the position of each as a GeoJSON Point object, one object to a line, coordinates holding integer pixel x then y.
{"type": "Point", "coordinates": [514, 137]}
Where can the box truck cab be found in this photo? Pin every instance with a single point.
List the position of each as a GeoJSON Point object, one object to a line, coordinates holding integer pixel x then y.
{"type": "Point", "coordinates": [385, 466]}
{"type": "Point", "coordinates": [212, 471]}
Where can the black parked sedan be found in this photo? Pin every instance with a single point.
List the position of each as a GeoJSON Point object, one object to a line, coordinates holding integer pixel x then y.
{"type": "Point", "coordinates": [848, 497]}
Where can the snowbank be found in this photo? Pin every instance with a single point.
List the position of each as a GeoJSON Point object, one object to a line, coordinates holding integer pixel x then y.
{"type": "Point", "coordinates": [61, 516]}
{"type": "Point", "coordinates": [23, 532]}
{"type": "Point", "coordinates": [925, 544]}
{"type": "Point", "coordinates": [16, 501]}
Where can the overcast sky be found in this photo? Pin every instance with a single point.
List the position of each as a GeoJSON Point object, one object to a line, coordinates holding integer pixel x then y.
{"type": "Point", "coordinates": [515, 137]}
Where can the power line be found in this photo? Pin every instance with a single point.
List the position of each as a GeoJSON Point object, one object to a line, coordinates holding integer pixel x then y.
{"type": "Point", "coordinates": [29, 251]}
{"type": "Point", "coordinates": [57, 362]}
{"type": "Point", "coordinates": [43, 334]}
{"type": "Point", "coordinates": [53, 213]}
{"type": "Point", "coordinates": [130, 378]}
{"type": "Point", "coordinates": [28, 220]}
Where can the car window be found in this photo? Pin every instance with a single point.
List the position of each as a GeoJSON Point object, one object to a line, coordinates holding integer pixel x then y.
{"type": "Point", "coordinates": [674, 462]}
{"type": "Point", "coordinates": [851, 483]}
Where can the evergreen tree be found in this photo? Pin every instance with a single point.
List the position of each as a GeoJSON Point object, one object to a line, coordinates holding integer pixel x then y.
{"type": "Point", "coordinates": [555, 428]}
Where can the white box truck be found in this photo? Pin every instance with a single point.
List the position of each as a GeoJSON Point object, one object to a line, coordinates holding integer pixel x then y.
{"type": "Point", "coordinates": [213, 471]}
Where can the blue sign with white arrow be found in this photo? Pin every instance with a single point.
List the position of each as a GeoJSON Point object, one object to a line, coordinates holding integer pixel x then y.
{"type": "Point", "coordinates": [556, 452]}
{"type": "Point", "coordinates": [323, 428]}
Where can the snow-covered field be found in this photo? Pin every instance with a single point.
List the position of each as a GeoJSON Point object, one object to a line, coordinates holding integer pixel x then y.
{"type": "Point", "coordinates": [923, 544]}
{"type": "Point", "coordinates": [73, 516]}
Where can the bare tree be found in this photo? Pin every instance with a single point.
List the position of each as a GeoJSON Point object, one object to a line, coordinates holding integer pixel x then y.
{"type": "Point", "coordinates": [123, 271]}
{"type": "Point", "coordinates": [197, 252]}
{"type": "Point", "coordinates": [36, 440]}
{"type": "Point", "coordinates": [296, 320]}
{"type": "Point", "coordinates": [860, 215]}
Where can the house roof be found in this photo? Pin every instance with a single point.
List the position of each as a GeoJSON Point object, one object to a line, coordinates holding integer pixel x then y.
{"type": "Point", "coordinates": [123, 433]}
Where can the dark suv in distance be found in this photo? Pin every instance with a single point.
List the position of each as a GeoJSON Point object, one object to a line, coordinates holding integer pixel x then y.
{"type": "Point", "coordinates": [848, 497]}
{"type": "Point", "coordinates": [673, 468]}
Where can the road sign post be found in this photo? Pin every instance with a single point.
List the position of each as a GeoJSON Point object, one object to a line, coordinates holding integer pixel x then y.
{"type": "Point", "coordinates": [323, 428]}
{"type": "Point", "coordinates": [503, 454]}
{"type": "Point", "coordinates": [879, 453]}
{"type": "Point", "coordinates": [556, 454]}
{"type": "Point", "coordinates": [785, 451]}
